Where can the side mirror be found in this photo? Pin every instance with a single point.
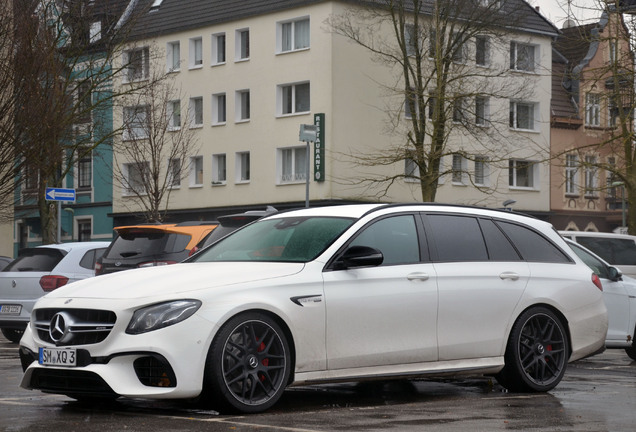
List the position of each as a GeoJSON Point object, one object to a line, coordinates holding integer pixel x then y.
{"type": "Point", "coordinates": [614, 274]}
{"type": "Point", "coordinates": [359, 256]}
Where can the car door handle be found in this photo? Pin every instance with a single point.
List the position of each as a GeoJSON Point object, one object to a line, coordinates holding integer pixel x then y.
{"type": "Point", "coordinates": [417, 276]}
{"type": "Point", "coordinates": [509, 275]}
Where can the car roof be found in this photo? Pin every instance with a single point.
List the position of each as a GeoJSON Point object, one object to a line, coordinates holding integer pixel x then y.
{"type": "Point", "coordinates": [597, 234]}
{"type": "Point", "coordinates": [76, 245]}
{"type": "Point", "coordinates": [172, 228]}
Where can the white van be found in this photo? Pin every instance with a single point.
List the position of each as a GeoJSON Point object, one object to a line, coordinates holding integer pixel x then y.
{"type": "Point", "coordinates": [617, 249]}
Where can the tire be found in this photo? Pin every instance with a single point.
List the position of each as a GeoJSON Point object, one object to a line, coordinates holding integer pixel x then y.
{"type": "Point", "coordinates": [536, 354]}
{"type": "Point", "coordinates": [248, 365]}
{"type": "Point", "coordinates": [631, 351]}
{"type": "Point", "coordinates": [13, 335]}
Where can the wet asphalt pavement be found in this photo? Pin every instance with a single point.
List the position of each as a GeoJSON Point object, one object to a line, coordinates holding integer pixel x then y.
{"type": "Point", "coordinates": [597, 394]}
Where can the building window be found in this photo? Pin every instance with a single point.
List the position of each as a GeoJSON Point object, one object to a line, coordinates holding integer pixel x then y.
{"type": "Point", "coordinates": [95, 31]}
{"type": "Point", "coordinates": [84, 102]}
{"type": "Point", "coordinates": [174, 115]}
{"type": "Point", "coordinates": [137, 64]}
{"type": "Point", "coordinates": [84, 229]}
{"type": "Point", "coordinates": [458, 53]}
{"type": "Point", "coordinates": [292, 164]}
{"type": "Point", "coordinates": [31, 176]}
{"type": "Point", "coordinates": [174, 173]}
{"type": "Point", "coordinates": [84, 169]}
{"type": "Point", "coordinates": [293, 35]}
{"type": "Point", "coordinates": [432, 43]}
{"type": "Point", "coordinates": [218, 48]}
{"type": "Point", "coordinates": [219, 174]}
{"type": "Point", "coordinates": [196, 171]}
{"type": "Point", "coordinates": [135, 122]}
{"type": "Point", "coordinates": [591, 176]}
{"type": "Point", "coordinates": [196, 52]}
{"type": "Point", "coordinates": [242, 167]}
{"type": "Point", "coordinates": [522, 57]}
{"type": "Point", "coordinates": [242, 105]}
{"type": "Point", "coordinates": [432, 107]}
{"type": "Point", "coordinates": [411, 41]}
{"type": "Point", "coordinates": [482, 51]}
{"type": "Point", "coordinates": [173, 56]}
{"type": "Point", "coordinates": [593, 109]}
{"type": "Point", "coordinates": [571, 174]}
{"type": "Point", "coordinates": [481, 171]}
{"type": "Point", "coordinates": [459, 108]}
{"type": "Point", "coordinates": [134, 176]}
{"type": "Point", "coordinates": [219, 114]}
{"type": "Point", "coordinates": [293, 98]}
{"type": "Point", "coordinates": [196, 112]}
{"type": "Point", "coordinates": [242, 48]}
{"type": "Point", "coordinates": [482, 110]}
{"type": "Point", "coordinates": [410, 96]}
{"type": "Point", "coordinates": [521, 173]}
{"type": "Point", "coordinates": [522, 115]}
{"type": "Point", "coordinates": [411, 170]}
{"type": "Point", "coordinates": [459, 169]}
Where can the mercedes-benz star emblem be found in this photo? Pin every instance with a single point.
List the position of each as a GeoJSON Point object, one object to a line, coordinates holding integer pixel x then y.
{"type": "Point", "coordinates": [59, 328]}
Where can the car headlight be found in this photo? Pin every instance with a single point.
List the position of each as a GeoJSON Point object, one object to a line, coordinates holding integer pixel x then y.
{"type": "Point", "coordinates": [161, 315]}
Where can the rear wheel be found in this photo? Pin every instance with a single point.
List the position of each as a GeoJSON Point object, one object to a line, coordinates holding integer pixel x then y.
{"type": "Point", "coordinates": [631, 351]}
{"type": "Point", "coordinates": [12, 334]}
{"type": "Point", "coordinates": [537, 352]}
{"type": "Point", "coordinates": [248, 365]}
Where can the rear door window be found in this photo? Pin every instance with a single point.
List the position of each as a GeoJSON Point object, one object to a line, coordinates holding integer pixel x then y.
{"type": "Point", "coordinates": [36, 259]}
{"type": "Point", "coordinates": [457, 238]}
{"type": "Point", "coordinates": [616, 251]}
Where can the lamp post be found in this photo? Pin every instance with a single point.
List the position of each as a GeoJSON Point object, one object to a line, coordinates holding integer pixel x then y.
{"type": "Point", "coordinates": [622, 185]}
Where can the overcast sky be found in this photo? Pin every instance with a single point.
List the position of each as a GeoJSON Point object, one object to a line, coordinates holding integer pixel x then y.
{"type": "Point", "coordinates": [557, 10]}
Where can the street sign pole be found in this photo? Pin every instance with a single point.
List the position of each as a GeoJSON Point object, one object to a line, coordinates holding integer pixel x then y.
{"type": "Point", "coordinates": [59, 195]}
{"type": "Point", "coordinates": [307, 134]}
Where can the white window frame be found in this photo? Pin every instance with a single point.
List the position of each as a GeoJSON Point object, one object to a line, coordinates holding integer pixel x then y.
{"type": "Point", "coordinates": [591, 176]}
{"type": "Point", "coordinates": [81, 220]}
{"type": "Point", "coordinates": [593, 109]}
{"type": "Point", "coordinates": [481, 174]}
{"type": "Point", "coordinates": [196, 171]}
{"type": "Point", "coordinates": [95, 31]}
{"type": "Point", "coordinates": [243, 167]}
{"type": "Point", "coordinates": [288, 98]}
{"type": "Point", "coordinates": [139, 132]}
{"type": "Point", "coordinates": [195, 109]}
{"type": "Point", "coordinates": [514, 165]}
{"type": "Point", "coordinates": [219, 109]}
{"type": "Point", "coordinates": [485, 49]}
{"type": "Point", "coordinates": [459, 109]}
{"type": "Point", "coordinates": [219, 169]}
{"type": "Point", "coordinates": [128, 187]}
{"type": "Point", "coordinates": [139, 71]}
{"type": "Point", "coordinates": [242, 112]}
{"type": "Point", "coordinates": [518, 62]}
{"type": "Point", "coordinates": [174, 178]}
{"type": "Point", "coordinates": [78, 171]}
{"type": "Point", "coordinates": [571, 174]}
{"type": "Point", "coordinates": [242, 45]}
{"type": "Point", "coordinates": [218, 50]}
{"type": "Point", "coordinates": [289, 169]}
{"type": "Point", "coordinates": [173, 56]}
{"type": "Point", "coordinates": [411, 40]}
{"type": "Point", "coordinates": [174, 115]}
{"type": "Point", "coordinates": [459, 170]}
{"type": "Point", "coordinates": [482, 111]}
{"type": "Point", "coordinates": [196, 53]}
{"type": "Point", "coordinates": [293, 42]}
{"type": "Point", "coordinates": [519, 107]}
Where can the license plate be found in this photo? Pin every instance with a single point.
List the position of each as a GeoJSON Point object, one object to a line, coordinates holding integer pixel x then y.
{"type": "Point", "coordinates": [58, 357]}
{"type": "Point", "coordinates": [10, 309]}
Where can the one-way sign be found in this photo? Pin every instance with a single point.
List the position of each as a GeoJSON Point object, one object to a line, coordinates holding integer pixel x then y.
{"type": "Point", "coordinates": [59, 194]}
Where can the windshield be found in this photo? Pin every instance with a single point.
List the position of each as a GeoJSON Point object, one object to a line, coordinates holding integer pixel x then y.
{"type": "Point", "coordinates": [281, 239]}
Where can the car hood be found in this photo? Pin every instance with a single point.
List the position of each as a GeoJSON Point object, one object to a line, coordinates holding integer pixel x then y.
{"type": "Point", "coordinates": [174, 279]}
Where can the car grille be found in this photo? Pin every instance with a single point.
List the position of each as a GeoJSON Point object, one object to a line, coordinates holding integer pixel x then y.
{"type": "Point", "coordinates": [71, 382]}
{"type": "Point", "coordinates": [81, 326]}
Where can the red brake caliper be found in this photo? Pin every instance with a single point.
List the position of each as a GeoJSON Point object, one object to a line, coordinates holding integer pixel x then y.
{"type": "Point", "coordinates": [264, 362]}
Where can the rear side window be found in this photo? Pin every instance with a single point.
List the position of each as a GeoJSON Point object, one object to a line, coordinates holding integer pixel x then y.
{"type": "Point", "coordinates": [499, 247]}
{"type": "Point", "coordinates": [458, 238]}
{"type": "Point", "coordinates": [89, 258]}
{"type": "Point", "coordinates": [616, 251]}
{"type": "Point", "coordinates": [532, 245]}
{"type": "Point", "coordinates": [143, 243]}
{"type": "Point", "coordinates": [36, 259]}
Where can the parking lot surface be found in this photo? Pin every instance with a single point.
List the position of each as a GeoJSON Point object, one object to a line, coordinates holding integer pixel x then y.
{"type": "Point", "coordinates": [597, 394]}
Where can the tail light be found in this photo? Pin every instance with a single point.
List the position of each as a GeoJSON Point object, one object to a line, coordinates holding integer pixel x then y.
{"type": "Point", "coordinates": [99, 268]}
{"type": "Point", "coordinates": [156, 263]}
{"type": "Point", "coordinates": [597, 281]}
{"type": "Point", "coordinates": [193, 251]}
{"type": "Point", "coordinates": [51, 282]}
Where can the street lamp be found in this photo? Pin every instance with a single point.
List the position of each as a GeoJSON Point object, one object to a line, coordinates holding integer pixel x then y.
{"type": "Point", "coordinates": [622, 185]}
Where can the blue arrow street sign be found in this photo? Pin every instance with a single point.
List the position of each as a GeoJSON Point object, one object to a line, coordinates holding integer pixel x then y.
{"type": "Point", "coordinates": [59, 194]}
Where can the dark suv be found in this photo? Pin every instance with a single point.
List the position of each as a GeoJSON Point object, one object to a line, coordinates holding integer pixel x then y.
{"type": "Point", "coordinates": [152, 245]}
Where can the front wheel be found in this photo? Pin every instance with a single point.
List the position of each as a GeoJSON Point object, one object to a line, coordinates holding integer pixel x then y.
{"type": "Point", "coordinates": [248, 365]}
{"type": "Point", "coordinates": [537, 352]}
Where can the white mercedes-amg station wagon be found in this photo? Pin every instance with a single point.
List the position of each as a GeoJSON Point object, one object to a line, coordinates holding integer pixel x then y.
{"type": "Point", "coordinates": [343, 293]}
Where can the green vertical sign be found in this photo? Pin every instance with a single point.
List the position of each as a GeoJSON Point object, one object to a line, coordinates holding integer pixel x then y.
{"type": "Point", "coordinates": [319, 148]}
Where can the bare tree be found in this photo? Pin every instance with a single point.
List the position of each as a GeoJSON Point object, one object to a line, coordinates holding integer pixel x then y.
{"type": "Point", "coordinates": [444, 96]}
{"type": "Point", "coordinates": [152, 154]}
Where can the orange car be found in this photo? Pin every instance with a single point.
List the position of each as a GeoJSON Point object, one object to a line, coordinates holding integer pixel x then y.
{"type": "Point", "coordinates": [151, 245]}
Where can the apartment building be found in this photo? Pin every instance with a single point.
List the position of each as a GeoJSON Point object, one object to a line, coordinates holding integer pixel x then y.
{"type": "Point", "coordinates": [251, 73]}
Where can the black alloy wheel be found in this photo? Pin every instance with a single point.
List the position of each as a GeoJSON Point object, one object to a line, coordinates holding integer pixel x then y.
{"type": "Point", "coordinates": [249, 364]}
{"type": "Point", "coordinates": [537, 352]}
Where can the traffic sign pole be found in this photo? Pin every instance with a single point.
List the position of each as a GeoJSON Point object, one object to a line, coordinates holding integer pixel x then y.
{"type": "Point", "coordinates": [59, 195]}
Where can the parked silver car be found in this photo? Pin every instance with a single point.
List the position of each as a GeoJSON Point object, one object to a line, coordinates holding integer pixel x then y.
{"type": "Point", "coordinates": [37, 271]}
